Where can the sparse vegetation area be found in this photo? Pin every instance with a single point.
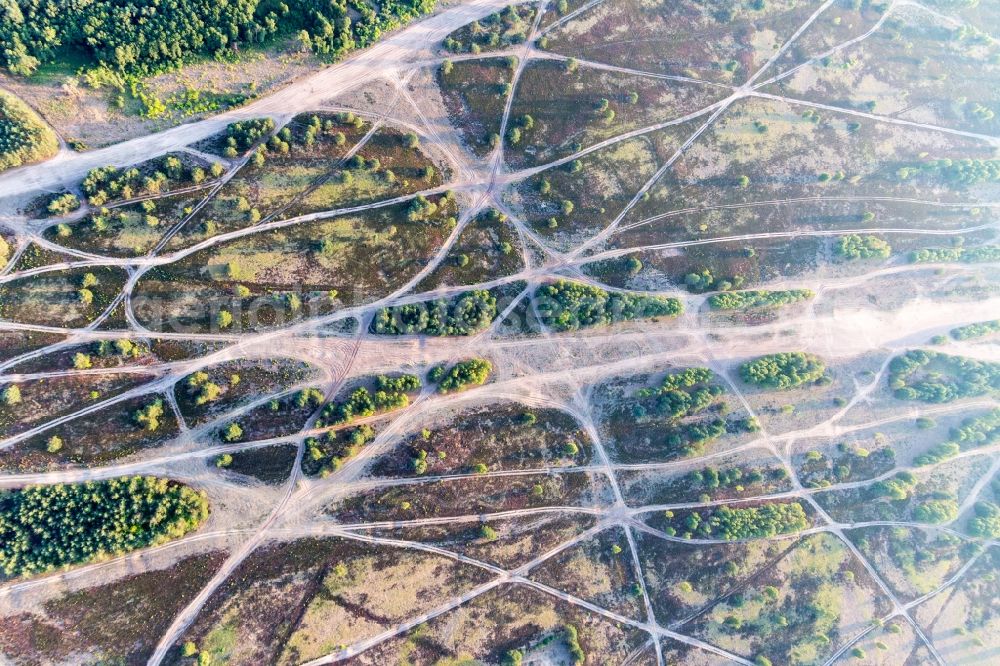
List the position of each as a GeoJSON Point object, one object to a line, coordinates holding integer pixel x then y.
{"type": "Point", "coordinates": [511, 341]}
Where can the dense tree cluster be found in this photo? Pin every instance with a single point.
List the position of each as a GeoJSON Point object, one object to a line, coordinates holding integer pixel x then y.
{"type": "Point", "coordinates": [499, 30]}
{"type": "Point", "coordinates": [977, 330]}
{"type": "Point", "coordinates": [960, 172]}
{"type": "Point", "coordinates": [568, 306]}
{"type": "Point", "coordinates": [109, 183]}
{"type": "Point", "coordinates": [465, 314]}
{"type": "Point", "coordinates": [745, 300]}
{"type": "Point", "coordinates": [681, 394]}
{"type": "Point", "coordinates": [862, 247]}
{"type": "Point", "coordinates": [931, 376]}
{"type": "Point", "coordinates": [139, 38]}
{"type": "Point", "coordinates": [986, 522]}
{"type": "Point", "coordinates": [737, 523]}
{"type": "Point", "coordinates": [24, 137]}
{"type": "Point", "coordinates": [474, 371]}
{"type": "Point", "coordinates": [390, 393]}
{"type": "Point", "coordinates": [62, 204]}
{"type": "Point", "coordinates": [973, 433]}
{"type": "Point", "coordinates": [44, 527]}
{"type": "Point", "coordinates": [324, 455]}
{"type": "Point", "coordinates": [966, 255]}
{"type": "Point", "coordinates": [783, 371]}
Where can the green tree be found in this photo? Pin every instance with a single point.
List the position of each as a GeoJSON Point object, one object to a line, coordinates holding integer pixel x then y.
{"type": "Point", "coordinates": [232, 433]}
{"type": "Point", "coordinates": [11, 395]}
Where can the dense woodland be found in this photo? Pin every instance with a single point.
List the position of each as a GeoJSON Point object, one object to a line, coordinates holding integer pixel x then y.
{"type": "Point", "coordinates": [44, 527]}
{"type": "Point", "coordinates": [24, 138]}
{"type": "Point", "coordinates": [144, 37]}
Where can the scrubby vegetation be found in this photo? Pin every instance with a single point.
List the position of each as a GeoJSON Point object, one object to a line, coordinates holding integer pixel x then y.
{"type": "Point", "coordinates": [24, 137]}
{"type": "Point", "coordinates": [106, 184]}
{"type": "Point", "coordinates": [739, 523]}
{"type": "Point", "coordinates": [44, 527]}
{"type": "Point", "coordinates": [745, 300]}
{"type": "Point", "coordinates": [977, 330]}
{"type": "Point", "coordinates": [568, 306]}
{"type": "Point", "coordinates": [390, 393]}
{"type": "Point", "coordinates": [931, 376]}
{"type": "Point", "coordinates": [465, 314]}
{"type": "Point", "coordinates": [126, 37]}
{"type": "Point", "coordinates": [682, 415]}
{"type": "Point", "coordinates": [783, 371]}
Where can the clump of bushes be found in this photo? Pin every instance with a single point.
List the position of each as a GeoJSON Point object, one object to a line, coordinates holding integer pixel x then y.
{"type": "Point", "coordinates": [983, 253]}
{"type": "Point", "coordinates": [325, 455]}
{"type": "Point", "coordinates": [977, 330]}
{"type": "Point", "coordinates": [243, 134]}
